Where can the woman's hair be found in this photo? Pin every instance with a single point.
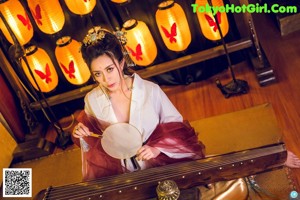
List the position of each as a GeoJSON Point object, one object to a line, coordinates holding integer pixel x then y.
{"type": "Point", "coordinates": [100, 42]}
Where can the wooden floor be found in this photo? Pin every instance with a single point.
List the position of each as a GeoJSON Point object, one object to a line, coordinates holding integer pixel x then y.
{"type": "Point", "coordinates": [203, 99]}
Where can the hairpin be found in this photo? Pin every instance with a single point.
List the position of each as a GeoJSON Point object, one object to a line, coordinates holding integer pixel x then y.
{"type": "Point", "coordinates": [121, 36]}
{"type": "Point", "coordinates": [95, 34]}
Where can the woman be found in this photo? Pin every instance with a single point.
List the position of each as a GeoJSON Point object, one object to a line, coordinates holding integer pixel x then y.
{"type": "Point", "coordinates": [124, 97]}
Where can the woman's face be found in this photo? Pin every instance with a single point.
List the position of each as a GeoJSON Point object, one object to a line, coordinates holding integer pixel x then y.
{"type": "Point", "coordinates": [106, 72]}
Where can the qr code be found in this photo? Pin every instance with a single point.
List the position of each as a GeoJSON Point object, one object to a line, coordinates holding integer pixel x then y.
{"type": "Point", "coordinates": [17, 182]}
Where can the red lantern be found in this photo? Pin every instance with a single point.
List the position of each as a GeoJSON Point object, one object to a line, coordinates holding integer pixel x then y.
{"type": "Point", "coordinates": [140, 43]}
{"type": "Point", "coordinates": [81, 7]}
{"type": "Point", "coordinates": [208, 23]}
{"type": "Point", "coordinates": [41, 67]}
{"type": "Point", "coordinates": [173, 26]}
{"type": "Point", "coordinates": [18, 20]}
{"type": "Point", "coordinates": [48, 15]}
{"type": "Point", "coordinates": [70, 61]}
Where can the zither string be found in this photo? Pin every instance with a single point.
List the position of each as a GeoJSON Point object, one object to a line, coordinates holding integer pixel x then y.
{"type": "Point", "coordinates": [130, 180]}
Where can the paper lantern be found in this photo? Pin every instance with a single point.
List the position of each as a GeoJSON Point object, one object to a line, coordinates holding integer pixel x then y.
{"type": "Point", "coordinates": [48, 15]}
{"type": "Point", "coordinates": [173, 26]}
{"type": "Point", "coordinates": [41, 67]}
{"type": "Point", "coordinates": [81, 7]}
{"type": "Point", "coordinates": [70, 61]}
{"type": "Point", "coordinates": [18, 20]}
{"type": "Point", "coordinates": [140, 43]}
{"type": "Point", "coordinates": [120, 1]}
{"type": "Point", "coordinates": [208, 23]}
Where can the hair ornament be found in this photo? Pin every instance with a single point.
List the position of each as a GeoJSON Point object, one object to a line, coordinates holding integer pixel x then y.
{"type": "Point", "coordinates": [94, 35]}
{"type": "Point", "coordinates": [121, 35]}
{"type": "Point", "coordinates": [97, 33]}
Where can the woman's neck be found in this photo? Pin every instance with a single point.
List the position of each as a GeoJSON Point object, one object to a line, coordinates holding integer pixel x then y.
{"type": "Point", "coordinates": [126, 86]}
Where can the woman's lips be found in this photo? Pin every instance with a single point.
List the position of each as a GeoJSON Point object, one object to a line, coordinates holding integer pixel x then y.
{"type": "Point", "coordinates": [111, 85]}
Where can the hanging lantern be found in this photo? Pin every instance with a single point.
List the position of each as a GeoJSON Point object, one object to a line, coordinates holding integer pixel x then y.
{"type": "Point", "coordinates": [18, 20]}
{"type": "Point", "coordinates": [70, 61]}
{"type": "Point", "coordinates": [208, 23]}
{"type": "Point", "coordinates": [81, 7]}
{"type": "Point", "coordinates": [140, 43]}
{"type": "Point", "coordinates": [120, 1]}
{"type": "Point", "coordinates": [173, 26]}
{"type": "Point", "coordinates": [41, 67]}
{"type": "Point", "coordinates": [48, 15]}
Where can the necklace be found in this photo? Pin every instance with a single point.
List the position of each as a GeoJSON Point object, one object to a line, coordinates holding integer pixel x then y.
{"type": "Point", "coordinates": [129, 85]}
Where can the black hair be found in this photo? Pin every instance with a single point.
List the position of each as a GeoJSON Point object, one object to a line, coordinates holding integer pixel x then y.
{"type": "Point", "coordinates": [108, 45]}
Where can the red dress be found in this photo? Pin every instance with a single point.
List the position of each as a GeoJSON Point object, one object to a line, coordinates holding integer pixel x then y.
{"type": "Point", "coordinates": [172, 137]}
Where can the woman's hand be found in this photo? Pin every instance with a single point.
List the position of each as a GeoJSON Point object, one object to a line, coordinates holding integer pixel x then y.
{"type": "Point", "coordinates": [146, 153]}
{"type": "Point", "coordinates": [80, 131]}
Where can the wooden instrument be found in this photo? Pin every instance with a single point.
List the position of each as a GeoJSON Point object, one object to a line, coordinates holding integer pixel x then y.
{"type": "Point", "coordinates": [141, 185]}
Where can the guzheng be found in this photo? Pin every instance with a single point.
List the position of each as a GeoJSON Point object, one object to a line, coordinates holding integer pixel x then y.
{"type": "Point", "coordinates": [141, 185]}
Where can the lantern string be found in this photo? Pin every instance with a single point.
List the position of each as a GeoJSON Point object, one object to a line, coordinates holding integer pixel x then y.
{"type": "Point", "coordinates": [127, 12]}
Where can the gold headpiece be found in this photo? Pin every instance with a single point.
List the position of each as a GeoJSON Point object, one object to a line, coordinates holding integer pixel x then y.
{"type": "Point", "coordinates": [121, 36]}
{"type": "Point", "coordinates": [94, 35]}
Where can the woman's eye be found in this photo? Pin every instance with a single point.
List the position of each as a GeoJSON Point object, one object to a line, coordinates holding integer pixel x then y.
{"type": "Point", "coordinates": [97, 74]}
{"type": "Point", "coordinates": [110, 69]}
